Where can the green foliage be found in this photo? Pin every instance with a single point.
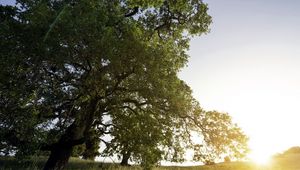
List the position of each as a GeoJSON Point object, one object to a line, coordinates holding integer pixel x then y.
{"type": "Point", "coordinates": [220, 137]}
{"type": "Point", "coordinates": [58, 57]}
{"type": "Point", "coordinates": [90, 149]}
{"type": "Point", "coordinates": [147, 136]}
{"type": "Point", "coordinates": [92, 146]}
{"type": "Point", "coordinates": [74, 71]}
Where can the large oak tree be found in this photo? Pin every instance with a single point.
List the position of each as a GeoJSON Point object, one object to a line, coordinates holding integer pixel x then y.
{"type": "Point", "coordinates": [66, 65]}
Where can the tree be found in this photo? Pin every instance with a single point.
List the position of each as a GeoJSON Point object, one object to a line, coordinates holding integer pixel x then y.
{"type": "Point", "coordinates": [68, 64]}
{"type": "Point", "coordinates": [292, 150]}
{"type": "Point", "coordinates": [90, 149]}
{"type": "Point", "coordinates": [146, 137]}
{"type": "Point", "coordinates": [220, 137]}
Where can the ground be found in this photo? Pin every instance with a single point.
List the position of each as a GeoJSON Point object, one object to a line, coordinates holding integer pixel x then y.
{"type": "Point", "coordinates": [290, 162]}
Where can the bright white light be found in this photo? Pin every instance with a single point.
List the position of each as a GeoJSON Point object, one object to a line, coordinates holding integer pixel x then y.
{"type": "Point", "coordinates": [259, 90]}
{"type": "Point", "coordinates": [260, 158]}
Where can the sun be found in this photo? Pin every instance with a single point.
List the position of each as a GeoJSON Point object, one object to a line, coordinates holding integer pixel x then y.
{"type": "Point", "coordinates": [260, 158]}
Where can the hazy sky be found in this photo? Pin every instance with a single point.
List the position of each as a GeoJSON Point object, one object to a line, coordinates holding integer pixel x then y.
{"type": "Point", "coordinates": [249, 66]}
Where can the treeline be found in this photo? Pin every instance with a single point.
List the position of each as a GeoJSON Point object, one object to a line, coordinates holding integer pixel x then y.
{"type": "Point", "coordinates": [75, 71]}
{"type": "Point", "coordinates": [295, 150]}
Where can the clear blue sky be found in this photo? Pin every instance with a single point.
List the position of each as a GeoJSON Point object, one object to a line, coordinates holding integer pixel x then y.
{"type": "Point", "coordinates": [249, 66]}
{"type": "Point", "coordinates": [7, 2]}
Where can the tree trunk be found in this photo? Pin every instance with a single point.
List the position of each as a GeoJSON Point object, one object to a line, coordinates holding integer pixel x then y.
{"type": "Point", "coordinates": [75, 134]}
{"type": "Point", "coordinates": [125, 159]}
{"type": "Point", "coordinates": [91, 147]}
{"type": "Point", "coordinates": [58, 158]}
{"type": "Point", "coordinates": [62, 150]}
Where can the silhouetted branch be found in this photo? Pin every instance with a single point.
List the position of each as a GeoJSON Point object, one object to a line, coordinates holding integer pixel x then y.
{"type": "Point", "coordinates": [134, 11]}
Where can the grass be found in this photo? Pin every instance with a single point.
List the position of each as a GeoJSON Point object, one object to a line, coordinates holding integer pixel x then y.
{"type": "Point", "coordinates": [9, 163]}
{"type": "Point", "coordinates": [283, 163]}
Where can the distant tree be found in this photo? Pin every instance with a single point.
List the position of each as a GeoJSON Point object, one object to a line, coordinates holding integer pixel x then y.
{"type": "Point", "coordinates": [220, 136]}
{"type": "Point", "coordinates": [292, 150]}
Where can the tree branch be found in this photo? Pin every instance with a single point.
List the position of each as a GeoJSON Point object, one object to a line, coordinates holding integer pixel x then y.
{"type": "Point", "coordinates": [134, 11]}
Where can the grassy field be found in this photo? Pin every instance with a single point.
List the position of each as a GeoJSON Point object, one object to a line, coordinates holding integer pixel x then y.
{"type": "Point", "coordinates": [285, 163]}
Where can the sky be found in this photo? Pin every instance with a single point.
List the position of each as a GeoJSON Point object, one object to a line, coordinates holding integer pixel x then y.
{"type": "Point", "coordinates": [249, 66]}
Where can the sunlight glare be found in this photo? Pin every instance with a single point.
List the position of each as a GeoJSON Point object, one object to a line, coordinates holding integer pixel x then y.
{"type": "Point", "coordinates": [260, 159]}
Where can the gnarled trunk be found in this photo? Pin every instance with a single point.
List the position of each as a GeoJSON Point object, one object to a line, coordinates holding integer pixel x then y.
{"type": "Point", "coordinates": [58, 158]}
{"type": "Point", "coordinates": [62, 150]}
{"type": "Point", "coordinates": [75, 134]}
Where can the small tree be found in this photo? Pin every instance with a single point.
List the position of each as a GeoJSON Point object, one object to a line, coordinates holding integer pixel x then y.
{"type": "Point", "coordinates": [220, 136]}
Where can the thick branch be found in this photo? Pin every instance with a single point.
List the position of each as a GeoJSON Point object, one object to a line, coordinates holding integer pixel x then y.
{"type": "Point", "coordinates": [78, 141]}
{"type": "Point", "coordinates": [119, 78]}
{"type": "Point", "coordinates": [135, 102]}
{"type": "Point", "coordinates": [46, 147]}
{"type": "Point", "coordinates": [134, 11]}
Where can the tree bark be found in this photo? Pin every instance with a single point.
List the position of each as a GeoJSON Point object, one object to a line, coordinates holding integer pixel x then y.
{"type": "Point", "coordinates": [58, 158]}
{"type": "Point", "coordinates": [125, 158]}
{"type": "Point", "coordinates": [75, 134]}
{"type": "Point", "coordinates": [62, 150]}
{"type": "Point", "coordinates": [91, 146]}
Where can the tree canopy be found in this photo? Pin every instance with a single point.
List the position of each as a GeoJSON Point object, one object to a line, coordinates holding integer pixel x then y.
{"type": "Point", "coordinates": [75, 70]}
